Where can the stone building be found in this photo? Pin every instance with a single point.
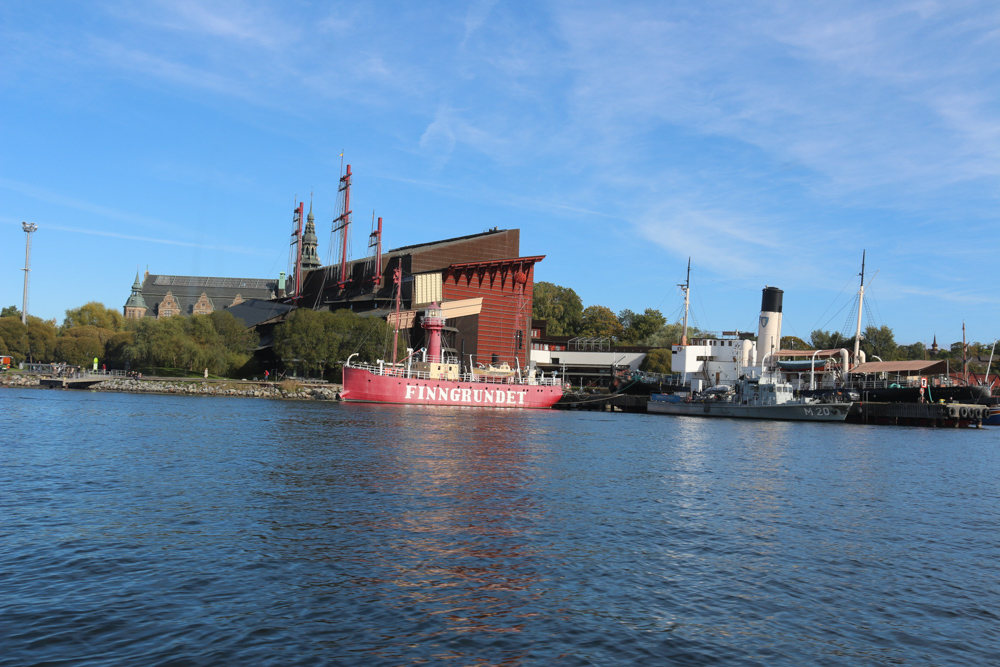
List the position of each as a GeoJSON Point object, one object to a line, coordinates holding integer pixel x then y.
{"type": "Point", "coordinates": [165, 296]}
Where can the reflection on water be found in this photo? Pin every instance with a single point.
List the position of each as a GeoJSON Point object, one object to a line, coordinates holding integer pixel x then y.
{"type": "Point", "coordinates": [146, 530]}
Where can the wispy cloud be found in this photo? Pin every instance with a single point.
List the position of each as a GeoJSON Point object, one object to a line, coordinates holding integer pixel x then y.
{"type": "Point", "coordinates": [146, 239]}
{"type": "Point", "coordinates": [51, 197]}
{"type": "Point", "coordinates": [251, 22]}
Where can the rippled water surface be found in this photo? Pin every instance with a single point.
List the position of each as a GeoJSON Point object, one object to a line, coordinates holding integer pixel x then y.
{"type": "Point", "coordinates": [147, 530]}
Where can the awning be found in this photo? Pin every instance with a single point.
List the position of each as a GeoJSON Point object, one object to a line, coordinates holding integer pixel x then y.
{"type": "Point", "coordinates": [902, 367]}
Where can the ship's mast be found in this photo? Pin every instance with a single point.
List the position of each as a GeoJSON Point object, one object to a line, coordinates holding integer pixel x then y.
{"type": "Point", "coordinates": [342, 224]}
{"type": "Point", "coordinates": [861, 300]}
{"type": "Point", "coordinates": [375, 241]}
{"type": "Point", "coordinates": [687, 301]}
{"type": "Point", "coordinates": [297, 217]}
{"type": "Point", "coordinates": [397, 276]}
{"type": "Point", "coordinates": [965, 357]}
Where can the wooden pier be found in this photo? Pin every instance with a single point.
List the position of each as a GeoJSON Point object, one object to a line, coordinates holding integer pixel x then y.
{"type": "Point", "coordinates": [73, 382]}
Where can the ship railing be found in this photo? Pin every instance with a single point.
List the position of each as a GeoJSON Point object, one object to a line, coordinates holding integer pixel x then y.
{"type": "Point", "coordinates": [389, 370]}
{"type": "Point", "coordinates": [901, 382]}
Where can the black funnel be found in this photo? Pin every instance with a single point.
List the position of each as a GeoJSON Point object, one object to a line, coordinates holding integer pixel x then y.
{"type": "Point", "coordinates": [770, 302]}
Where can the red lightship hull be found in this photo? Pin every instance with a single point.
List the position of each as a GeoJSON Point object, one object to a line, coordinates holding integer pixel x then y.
{"type": "Point", "coordinates": [363, 386]}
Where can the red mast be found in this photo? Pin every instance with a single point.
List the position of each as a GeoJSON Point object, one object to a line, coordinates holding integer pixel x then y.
{"type": "Point", "coordinates": [343, 223]}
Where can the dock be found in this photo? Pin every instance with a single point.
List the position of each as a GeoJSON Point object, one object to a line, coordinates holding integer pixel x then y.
{"type": "Point", "coordinates": [942, 415]}
{"type": "Point", "coordinates": [950, 415]}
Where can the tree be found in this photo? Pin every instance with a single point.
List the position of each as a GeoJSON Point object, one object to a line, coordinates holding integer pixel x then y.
{"type": "Point", "coordinates": [601, 321]}
{"type": "Point", "coordinates": [10, 311]}
{"type": "Point", "coordinates": [94, 314]}
{"type": "Point", "coordinates": [301, 340]}
{"type": "Point", "coordinates": [560, 307]}
{"type": "Point", "coordinates": [638, 328]}
{"type": "Point", "coordinates": [218, 342]}
{"type": "Point", "coordinates": [41, 339]}
{"type": "Point", "coordinates": [911, 352]}
{"type": "Point", "coordinates": [316, 341]}
{"type": "Point", "coordinates": [879, 342]}
{"type": "Point", "coordinates": [78, 350]}
{"type": "Point", "coordinates": [670, 334]}
{"type": "Point", "coordinates": [825, 340]}
{"type": "Point", "coordinates": [657, 361]}
{"type": "Point", "coordinates": [793, 343]}
{"type": "Point", "coordinates": [15, 337]}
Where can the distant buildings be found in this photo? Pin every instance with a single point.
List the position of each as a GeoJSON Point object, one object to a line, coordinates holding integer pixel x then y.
{"type": "Point", "coordinates": [483, 283]}
{"type": "Point", "coordinates": [165, 296]}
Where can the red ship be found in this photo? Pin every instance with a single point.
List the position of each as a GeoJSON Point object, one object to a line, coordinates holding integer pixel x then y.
{"type": "Point", "coordinates": [434, 379]}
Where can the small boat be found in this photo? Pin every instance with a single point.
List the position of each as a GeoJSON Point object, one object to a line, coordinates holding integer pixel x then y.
{"type": "Point", "coordinates": [750, 398]}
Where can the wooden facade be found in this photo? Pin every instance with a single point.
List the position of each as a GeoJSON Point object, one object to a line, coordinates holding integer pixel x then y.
{"type": "Point", "coordinates": [503, 325]}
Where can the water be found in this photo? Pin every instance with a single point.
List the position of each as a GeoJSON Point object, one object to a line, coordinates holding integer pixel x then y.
{"type": "Point", "coordinates": [163, 530]}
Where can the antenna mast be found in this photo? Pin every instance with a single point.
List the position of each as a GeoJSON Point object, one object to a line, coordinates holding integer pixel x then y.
{"type": "Point", "coordinates": [687, 301]}
{"type": "Point", "coordinates": [29, 228]}
{"type": "Point", "coordinates": [861, 300]}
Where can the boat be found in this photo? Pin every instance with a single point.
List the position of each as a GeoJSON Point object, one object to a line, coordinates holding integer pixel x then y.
{"type": "Point", "coordinates": [994, 416]}
{"type": "Point", "coordinates": [750, 398]}
{"type": "Point", "coordinates": [428, 377]}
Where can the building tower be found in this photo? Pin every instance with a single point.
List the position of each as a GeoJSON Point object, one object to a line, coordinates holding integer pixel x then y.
{"type": "Point", "coordinates": [135, 307]}
{"type": "Point", "coordinates": [310, 257]}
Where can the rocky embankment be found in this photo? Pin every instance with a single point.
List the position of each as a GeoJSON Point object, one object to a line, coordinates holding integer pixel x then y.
{"type": "Point", "coordinates": [291, 390]}
{"type": "Point", "coordinates": [12, 380]}
{"type": "Point", "coordinates": [247, 390]}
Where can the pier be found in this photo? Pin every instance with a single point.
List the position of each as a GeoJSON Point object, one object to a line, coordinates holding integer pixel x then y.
{"type": "Point", "coordinates": [918, 414]}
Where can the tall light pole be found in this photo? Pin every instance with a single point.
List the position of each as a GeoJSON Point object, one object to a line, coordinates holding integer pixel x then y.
{"type": "Point", "coordinates": [28, 228]}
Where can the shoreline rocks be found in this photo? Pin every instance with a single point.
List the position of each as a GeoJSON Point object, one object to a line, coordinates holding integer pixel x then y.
{"type": "Point", "coordinates": [293, 391]}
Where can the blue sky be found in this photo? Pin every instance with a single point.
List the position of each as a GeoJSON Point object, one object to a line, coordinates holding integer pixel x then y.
{"type": "Point", "coordinates": [770, 141]}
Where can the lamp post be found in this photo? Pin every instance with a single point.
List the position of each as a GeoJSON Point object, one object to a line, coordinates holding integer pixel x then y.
{"type": "Point", "coordinates": [29, 228]}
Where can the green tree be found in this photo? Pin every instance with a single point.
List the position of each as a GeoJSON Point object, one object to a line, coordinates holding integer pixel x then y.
{"type": "Point", "coordinates": [41, 339]}
{"type": "Point", "coordinates": [879, 342]}
{"type": "Point", "coordinates": [560, 307]}
{"type": "Point", "coordinates": [793, 343]}
{"type": "Point", "coordinates": [301, 341]}
{"type": "Point", "coordinates": [827, 340]}
{"type": "Point", "coordinates": [15, 338]}
{"type": "Point", "coordinates": [911, 352]}
{"type": "Point", "coordinates": [316, 341]}
{"type": "Point", "coordinates": [238, 341]}
{"type": "Point", "coordinates": [639, 327]}
{"type": "Point", "coordinates": [94, 314]}
{"type": "Point", "coordinates": [78, 350]}
{"type": "Point", "coordinates": [10, 311]}
{"type": "Point", "coordinates": [601, 321]}
{"type": "Point", "coordinates": [670, 334]}
{"type": "Point", "coordinates": [657, 361]}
